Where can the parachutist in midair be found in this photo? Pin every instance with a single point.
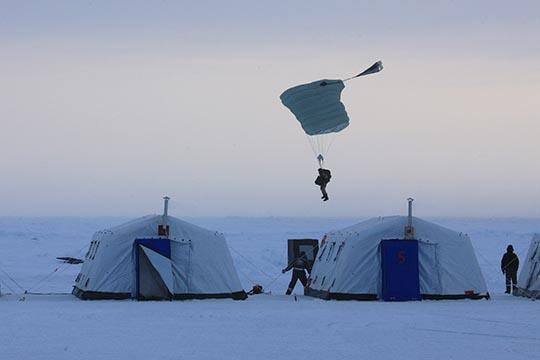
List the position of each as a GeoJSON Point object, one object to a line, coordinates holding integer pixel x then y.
{"type": "Point", "coordinates": [322, 180]}
{"type": "Point", "coordinates": [318, 108]}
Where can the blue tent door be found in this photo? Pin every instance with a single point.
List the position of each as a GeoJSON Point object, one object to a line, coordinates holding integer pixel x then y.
{"type": "Point", "coordinates": [400, 275]}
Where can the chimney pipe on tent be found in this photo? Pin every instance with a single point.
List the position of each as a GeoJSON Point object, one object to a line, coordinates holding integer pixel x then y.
{"type": "Point", "coordinates": [409, 229]}
{"type": "Point", "coordinates": [163, 229]}
{"type": "Point", "coordinates": [166, 206]}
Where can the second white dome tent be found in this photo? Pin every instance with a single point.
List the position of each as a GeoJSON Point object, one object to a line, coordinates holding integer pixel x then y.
{"type": "Point", "coordinates": [396, 258]}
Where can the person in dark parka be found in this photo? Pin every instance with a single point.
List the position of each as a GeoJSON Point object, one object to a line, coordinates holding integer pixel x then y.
{"type": "Point", "coordinates": [299, 266]}
{"type": "Point", "coordinates": [322, 180]}
{"type": "Point", "coordinates": [509, 267]}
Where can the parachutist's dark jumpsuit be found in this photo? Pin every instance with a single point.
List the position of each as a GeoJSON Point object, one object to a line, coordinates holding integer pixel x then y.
{"type": "Point", "coordinates": [299, 265]}
{"type": "Point", "coordinates": [322, 180]}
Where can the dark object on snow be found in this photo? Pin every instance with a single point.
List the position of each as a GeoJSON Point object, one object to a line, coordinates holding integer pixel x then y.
{"type": "Point", "coordinates": [509, 267]}
{"type": "Point", "coordinates": [299, 266]}
{"type": "Point", "coordinates": [70, 260]}
{"type": "Point", "coordinates": [257, 289]}
{"type": "Point", "coordinates": [322, 180]}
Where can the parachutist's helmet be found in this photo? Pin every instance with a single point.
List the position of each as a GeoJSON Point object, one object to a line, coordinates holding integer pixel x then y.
{"type": "Point", "coordinates": [510, 248]}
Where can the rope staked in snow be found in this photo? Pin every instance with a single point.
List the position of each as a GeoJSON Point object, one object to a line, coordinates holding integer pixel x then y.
{"type": "Point", "coordinates": [9, 287]}
{"type": "Point", "coordinates": [62, 267]}
{"type": "Point", "coordinates": [250, 262]}
{"type": "Point", "coordinates": [272, 279]}
{"type": "Point", "coordinates": [12, 280]}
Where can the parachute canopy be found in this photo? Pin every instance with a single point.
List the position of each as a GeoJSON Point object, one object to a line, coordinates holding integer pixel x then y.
{"type": "Point", "coordinates": [317, 106]}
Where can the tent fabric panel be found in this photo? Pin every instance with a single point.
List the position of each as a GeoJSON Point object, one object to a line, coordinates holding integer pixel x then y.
{"type": "Point", "coordinates": [529, 276]}
{"type": "Point", "coordinates": [162, 266]}
{"type": "Point", "coordinates": [211, 268]}
{"type": "Point", "coordinates": [181, 264]}
{"type": "Point", "coordinates": [428, 265]}
{"type": "Point", "coordinates": [150, 285]}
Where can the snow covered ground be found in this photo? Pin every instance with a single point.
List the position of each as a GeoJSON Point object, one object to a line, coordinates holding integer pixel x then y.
{"type": "Point", "coordinates": [265, 326]}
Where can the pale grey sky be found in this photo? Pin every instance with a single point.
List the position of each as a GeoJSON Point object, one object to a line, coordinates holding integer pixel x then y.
{"type": "Point", "coordinates": [107, 106]}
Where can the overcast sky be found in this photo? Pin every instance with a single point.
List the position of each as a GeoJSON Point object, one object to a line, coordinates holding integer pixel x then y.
{"type": "Point", "coordinates": [106, 106]}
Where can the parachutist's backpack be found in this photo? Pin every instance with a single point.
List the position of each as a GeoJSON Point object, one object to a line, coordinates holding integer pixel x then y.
{"type": "Point", "coordinates": [324, 177]}
{"type": "Point", "coordinates": [326, 174]}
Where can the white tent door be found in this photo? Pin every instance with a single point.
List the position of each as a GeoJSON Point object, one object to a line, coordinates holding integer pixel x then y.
{"type": "Point", "coordinates": [154, 275]}
{"type": "Point", "coordinates": [181, 266]}
{"type": "Point", "coordinates": [163, 266]}
{"type": "Point", "coordinates": [428, 264]}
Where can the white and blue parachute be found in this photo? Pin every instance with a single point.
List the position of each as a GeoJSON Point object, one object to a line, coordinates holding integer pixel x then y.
{"type": "Point", "coordinates": [318, 108]}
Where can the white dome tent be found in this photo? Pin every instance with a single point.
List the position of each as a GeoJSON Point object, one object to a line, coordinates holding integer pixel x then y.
{"type": "Point", "coordinates": [396, 258]}
{"type": "Point", "coordinates": [529, 277]}
{"type": "Point", "coordinates": [158, 257]}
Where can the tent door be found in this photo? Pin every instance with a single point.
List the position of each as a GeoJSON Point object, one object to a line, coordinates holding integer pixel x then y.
{"type": "Point", "coordinates": [154, 279]}
{"type": "Point", "coordinates": [428, 266]}
{"type": "Point", "coordinates": [181, 266]}
{"type": "Point", "coordinates": [400, 274]}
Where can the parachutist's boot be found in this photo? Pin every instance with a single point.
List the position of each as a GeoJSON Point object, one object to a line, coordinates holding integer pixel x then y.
{"type": "Point", "coordinates": [325, 198]}
{"type": "Point", "coordinates": [289, 291]}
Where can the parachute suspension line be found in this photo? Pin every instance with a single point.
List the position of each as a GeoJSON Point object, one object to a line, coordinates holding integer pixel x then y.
{"type": "Point", "coordinates": [315, 147]}
{"type": "Point", "coordinates": [321, 145]}
{"type": "Point", "coordinates": [312, 144]}
{"type": "Point", "coordinates": [331, 142]}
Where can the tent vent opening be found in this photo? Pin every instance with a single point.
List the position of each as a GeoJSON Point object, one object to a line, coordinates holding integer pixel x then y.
{"type": "Point", "coordinates": [323, 250]}
{"type": "Point", "coordinates": [163, 230]}
{"type": "Point", "coordinates": [339, 250]}
{"type": "Point", "coordinates": [330, 251]}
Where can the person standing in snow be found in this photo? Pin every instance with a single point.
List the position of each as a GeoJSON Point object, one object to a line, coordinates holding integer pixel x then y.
{"type": "Point", "coordinates": [299, 266]}
{"type": "Point", "coordinates": [509, 267]}
{"type": "Point", "coordinates": [322, 180]}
